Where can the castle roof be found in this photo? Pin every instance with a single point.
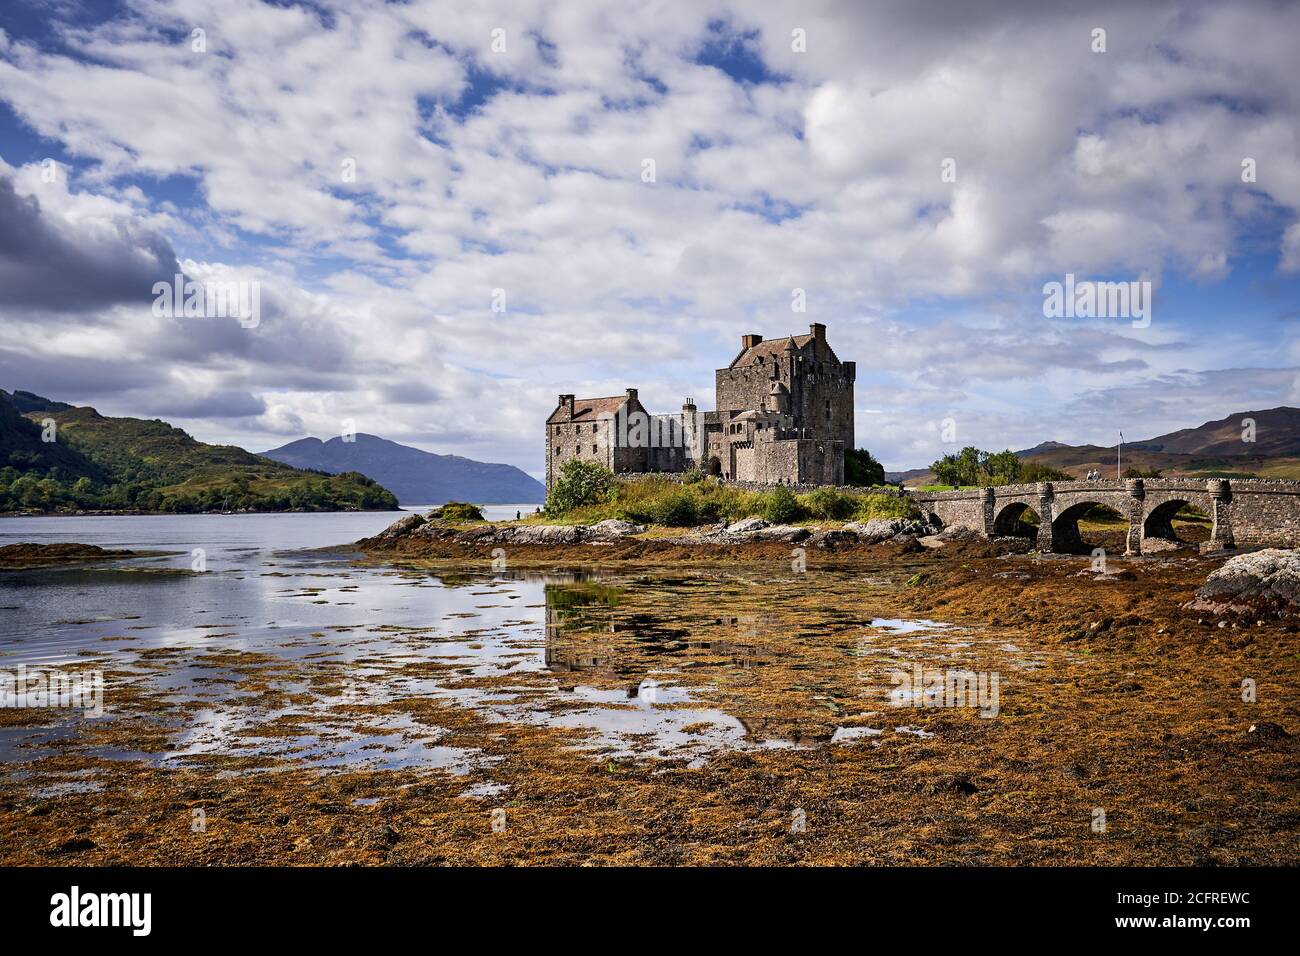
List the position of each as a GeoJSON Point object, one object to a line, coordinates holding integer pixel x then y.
{"type": "Point", "coordinates": [590, 409]}
{"type": "Point", "coordinates": [770, 349]}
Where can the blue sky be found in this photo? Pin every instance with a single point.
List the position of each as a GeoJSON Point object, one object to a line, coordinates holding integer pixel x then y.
{"type": "Point", "coordinates": [498, 153]}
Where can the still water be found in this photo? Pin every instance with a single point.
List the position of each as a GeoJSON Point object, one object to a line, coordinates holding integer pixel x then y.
{"type": "Point", "coordinates": [287, 650]}
{"type": "Point", "coordinates": [286, 587]}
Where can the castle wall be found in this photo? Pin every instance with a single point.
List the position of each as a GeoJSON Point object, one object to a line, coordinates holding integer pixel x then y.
{"type": "Point", "coordinates": [819, 426]}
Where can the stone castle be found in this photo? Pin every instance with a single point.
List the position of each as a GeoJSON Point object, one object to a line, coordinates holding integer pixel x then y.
{"type": "Point", "coordinates": [784, 416]}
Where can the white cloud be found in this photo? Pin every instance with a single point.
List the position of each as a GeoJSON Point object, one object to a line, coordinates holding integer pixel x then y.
{"type": "Point", "coordinates": [1126, 162]}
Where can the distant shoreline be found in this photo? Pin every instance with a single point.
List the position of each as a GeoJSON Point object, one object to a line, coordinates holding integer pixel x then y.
{"type": "Point", "coordinates": [175, 514]}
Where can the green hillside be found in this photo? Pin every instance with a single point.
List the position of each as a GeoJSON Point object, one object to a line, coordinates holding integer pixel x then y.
{"type": "Point", "coordinates": [147, 465]}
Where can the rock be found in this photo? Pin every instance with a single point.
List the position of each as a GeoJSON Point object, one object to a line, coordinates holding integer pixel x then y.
{"type": "Point", "coordinates": [885, 529]}
{"type": "Point", "coordinates": [1267, 580]}
{"type": "Point", "coordinates": [615, 528]}
{"type": "Point", "coordinates": [746, 525]}
{"type": "Point", "coordinates": [780, 532]}
{"type": "Point", "coordinates": [1157, 545]}
{"type": "Point", "coordinates": [1266, 730]}
{"type": "Point", "coordinates": [548, 534]}
{"type": "Point", "coordinates": [834, 538]}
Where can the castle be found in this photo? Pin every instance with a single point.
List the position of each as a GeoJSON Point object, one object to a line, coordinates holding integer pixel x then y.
{"type": "Point", "coordinates": [784, 416]}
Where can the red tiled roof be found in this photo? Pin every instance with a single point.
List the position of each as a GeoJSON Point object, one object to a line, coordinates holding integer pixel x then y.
{"type": "Point", "coordinates": [590, 409]}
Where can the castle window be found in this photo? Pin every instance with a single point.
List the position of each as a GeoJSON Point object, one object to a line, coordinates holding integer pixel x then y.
{"type": "Point", "coordinates": [593, 449]}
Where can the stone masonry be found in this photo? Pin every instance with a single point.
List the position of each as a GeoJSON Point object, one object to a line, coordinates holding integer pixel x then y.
{"type": "Point", "coordinates": [1242, 512]}
{"type": "Point", "coordinates": [784, 417]}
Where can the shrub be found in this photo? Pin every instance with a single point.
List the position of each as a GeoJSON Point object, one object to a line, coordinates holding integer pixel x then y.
{"type": "Point", "coordinates": [692, 476]}
{"type": "Point", "coordinates": [885, 506]}
{"type": "Point", "coordinates": [780, 506]}
{"type": "Point", "coordinates": [675, 510]}
{"type": "Point", "coordinates": [581, 483]}
{"type": "Point", "coordinates": [829, 503]}
{"type": "Point", "coordinates": [456, 511]}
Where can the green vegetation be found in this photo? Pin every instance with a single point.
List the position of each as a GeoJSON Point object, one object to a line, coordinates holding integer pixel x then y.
{"type": "Point", "coordinates": [98, 463]}
{"type": "Point", "coordinates": [700, 500]}
{"type": "Point", "coordinates": [779, 506]}
{"type": "Point", "coordinates": [581, 483]}
{"type": "Point", "coordinates": [1244, 475]}
{"type": "Point", "coordinates": [456, 511]}
{"type": "Point", "coordinates": [974, 468]}
{"type": "Point", "coordinates": [1133, 472]}
{"type": "Point", "coordinates": [861, 470]}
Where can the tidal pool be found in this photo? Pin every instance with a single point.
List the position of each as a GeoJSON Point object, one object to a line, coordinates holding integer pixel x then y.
{"type": "Point", "coordinates": [275, 657]}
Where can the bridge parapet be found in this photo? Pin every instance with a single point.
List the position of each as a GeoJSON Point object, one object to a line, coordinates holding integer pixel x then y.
{"type": "Point", "coordinates": [1257, 511]}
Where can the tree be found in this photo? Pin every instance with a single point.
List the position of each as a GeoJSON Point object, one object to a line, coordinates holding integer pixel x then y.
{"type": "Point", "coordinates": [580, 483]}
{"type": "Point", "coordinates": [1003, 467]}
{"type": "Point", "coordinates": [1134, 472]}
{"type": "Point", "coordinates": [861, 469]}
{"type": "Point", "coordinates": [947, 470]}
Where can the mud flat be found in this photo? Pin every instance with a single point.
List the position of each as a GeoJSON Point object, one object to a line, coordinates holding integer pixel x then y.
{"type": "Point", "coordinates": [665, 702]}
{"type": "Point", "coordinates": [25, 555]}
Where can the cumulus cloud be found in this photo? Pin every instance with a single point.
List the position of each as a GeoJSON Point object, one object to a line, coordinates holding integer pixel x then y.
{"type": "Point", "coordinates": [51, 263]}
{"type": "Point", "coordinates": [383, 170]}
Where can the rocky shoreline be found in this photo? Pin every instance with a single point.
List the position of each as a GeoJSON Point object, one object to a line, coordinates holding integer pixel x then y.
{"type": "Point", "coordinates": [412, 531]}
{"type": "Point", "coordinates": [26, 555]}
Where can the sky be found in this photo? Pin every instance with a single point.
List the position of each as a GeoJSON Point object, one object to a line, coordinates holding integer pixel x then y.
{"type": "Point", "coordinates": [454, 212]}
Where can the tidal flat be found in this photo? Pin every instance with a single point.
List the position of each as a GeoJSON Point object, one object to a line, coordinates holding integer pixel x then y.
{"type": "Point", "coordinates": [597, 705]}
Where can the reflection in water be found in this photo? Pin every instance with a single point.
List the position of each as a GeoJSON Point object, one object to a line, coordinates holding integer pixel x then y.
{"type": "Point", "coordinates": [279, 656]}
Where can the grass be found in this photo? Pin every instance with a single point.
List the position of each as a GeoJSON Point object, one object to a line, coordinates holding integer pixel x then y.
{"type": "Point", "coordinates": [666, 503]}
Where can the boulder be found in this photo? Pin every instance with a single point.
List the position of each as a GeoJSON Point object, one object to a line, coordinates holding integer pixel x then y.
{"type": "Point", "coordinates": [746, 525]}
{"type": "Point", "coordinates": [833, 538]}
{"type": "Point", "coordinates": [402, 527]}
{"type": "Point", "coordinates": [1267, 581]}
{"type": "Point", "coordinates": [612, 528]}
{"type": "Point", "coordinates": [779, 532]}
{"type": "Point", "coordinates": [883, 529]}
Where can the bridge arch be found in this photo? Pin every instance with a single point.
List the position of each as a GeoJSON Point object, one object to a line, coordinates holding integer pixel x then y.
{"type": "Point", "coordinates": [1009, 521]}
{"type": "Point", "coordinates": [1066, 537]}
{"type": "Point", "coordinates": [1267, 510]}
{"type": "Point", "coordinates": [1158, 522]}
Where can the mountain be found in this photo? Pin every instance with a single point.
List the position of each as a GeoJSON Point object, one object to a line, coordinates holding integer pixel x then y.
{"type": "Point", "coordinates": [1213, 449]}
{"type": "Point", "coordinates": [415, 476]}
{"type": "Point", "coordinates": [23, 450]}
{"type": "Point", "coordinates": [101, 463]}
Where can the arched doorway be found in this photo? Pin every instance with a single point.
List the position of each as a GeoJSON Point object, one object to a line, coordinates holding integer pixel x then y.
{"type": "Point", "coordinates": [715, 467]}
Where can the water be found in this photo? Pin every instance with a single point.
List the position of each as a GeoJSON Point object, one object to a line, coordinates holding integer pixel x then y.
{"type": "Point", "coordinates": [154, 625]}
{"type": "Point", "coordinates": [287, 650]}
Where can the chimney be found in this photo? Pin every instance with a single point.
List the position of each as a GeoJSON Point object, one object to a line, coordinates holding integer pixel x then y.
{"type": "Point", "coordinates": [566, 401]}
{"type": "Point", "coordinates": [818, 331]}
{"type": "Point", "coordinates": [688, 405]}
{"type": "Point", "coordinates": [631, 395]}
{"type": "Point", "coordinates": [747, 342]}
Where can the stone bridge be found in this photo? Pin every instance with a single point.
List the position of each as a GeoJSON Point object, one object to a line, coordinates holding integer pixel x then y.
{"type": "Point", "coordinates": [1248, 512]}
